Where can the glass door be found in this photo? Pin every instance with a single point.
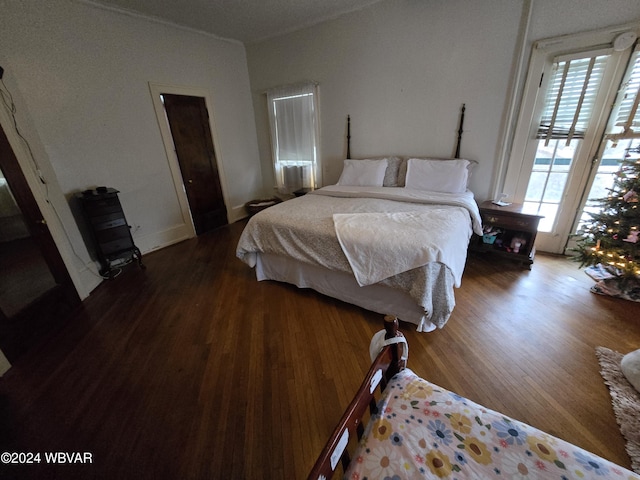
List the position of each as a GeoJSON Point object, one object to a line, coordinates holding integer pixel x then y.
{"type": "Point", "coordinates": [620, 141]}
{"type": "Point", "coordinates": [611, 157]}
{"type": "Point", "coordinates": [574, 96]}
{"type": "Point", "coordinates": [548, 180]}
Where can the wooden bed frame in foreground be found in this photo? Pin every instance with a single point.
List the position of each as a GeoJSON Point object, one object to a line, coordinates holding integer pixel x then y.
{"type": "Point", "coordinates": [425, 431]}
{"type": "Point", "coordinates": [351, 425]}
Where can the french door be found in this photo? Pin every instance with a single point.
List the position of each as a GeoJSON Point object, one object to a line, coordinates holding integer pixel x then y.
{"type": "Point", "coordinates": [562, 154]}
{"type": "Point", "coordinates": [619, 142]}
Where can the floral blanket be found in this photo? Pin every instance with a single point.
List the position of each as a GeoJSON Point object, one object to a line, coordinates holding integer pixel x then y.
{"type": "Point", "coordinates": [425, 431]}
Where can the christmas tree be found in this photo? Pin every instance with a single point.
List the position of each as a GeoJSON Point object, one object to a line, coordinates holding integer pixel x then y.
{"type": "Point", "coordinates": [610, 242]}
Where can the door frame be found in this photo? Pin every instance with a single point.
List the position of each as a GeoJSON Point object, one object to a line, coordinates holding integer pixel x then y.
{"type": "Point", "coordinates": [34, 218]}
{"type": "Point", "coordinates": [83, 286]}
{"type": "Point", "coordinates": [156, 90]}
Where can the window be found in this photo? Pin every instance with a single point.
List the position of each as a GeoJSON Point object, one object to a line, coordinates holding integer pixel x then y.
{"type": "Point", "coordinates": [293, 119]}
{"type": "Point", "coordinates": [566, 114]}
{"type": "Point", "coordinates": [571, 86]}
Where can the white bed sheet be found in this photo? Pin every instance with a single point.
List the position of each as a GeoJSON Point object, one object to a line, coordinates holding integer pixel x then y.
{"type": "Point", "coordinates": [376, 298]}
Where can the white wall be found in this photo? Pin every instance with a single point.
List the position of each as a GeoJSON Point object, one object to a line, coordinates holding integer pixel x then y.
{"type": "Point", "coordinates": [551, 18]}
{"type": "Point", "coordinates": [80, 76]}
{"type": "Point", "coordinates": [402, 69]}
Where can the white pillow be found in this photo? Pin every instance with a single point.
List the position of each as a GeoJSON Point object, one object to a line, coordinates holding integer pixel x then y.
{"type": "Point", "coordinates": [402, 170]}
{"type": "Point", "coordinates": [393, 169]}
{"type": "Point", "coordinates": [448, 176]}
{"type": "Point", "coordinates": [363, 173]}
{"type": "Point", "coordinates": [630, 366]}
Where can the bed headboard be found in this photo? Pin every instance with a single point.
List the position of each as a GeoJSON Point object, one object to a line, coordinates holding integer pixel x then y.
{"type": "Point", "coordinates": [458, 143]}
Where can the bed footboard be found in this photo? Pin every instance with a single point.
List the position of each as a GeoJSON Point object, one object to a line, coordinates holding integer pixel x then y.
{"type": "Point", "coordinates": [351, 425]}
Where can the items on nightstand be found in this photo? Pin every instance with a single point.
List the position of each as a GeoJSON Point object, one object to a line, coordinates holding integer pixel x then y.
{"type": "Point", "coordinates": [490, 235]}
{"type": "Point", "coordinates": [500, 201]}
{"type": "Point", "coordinates": [109, 229]}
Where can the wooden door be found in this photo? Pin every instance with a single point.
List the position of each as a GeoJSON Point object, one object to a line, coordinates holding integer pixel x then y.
{"type": "Point", "coordinates": [189, 123]}
{"type": "Point", "coordinates": [36, 291]}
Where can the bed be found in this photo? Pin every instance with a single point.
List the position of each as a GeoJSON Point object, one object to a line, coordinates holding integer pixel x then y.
{"type": "Point", "coordinates": [391, 237]}
{"type": "Point", "coordinates": [417, 429]}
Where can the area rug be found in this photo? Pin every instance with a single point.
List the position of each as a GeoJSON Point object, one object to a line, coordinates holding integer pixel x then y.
{"type": "Point", "coordinates": [625, 400]}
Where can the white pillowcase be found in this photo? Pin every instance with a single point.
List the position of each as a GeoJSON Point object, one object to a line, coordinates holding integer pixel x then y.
{"type": "Point", "coordinates": [363, 173]}
{"type": "Point", "coordinates": [448, 176]}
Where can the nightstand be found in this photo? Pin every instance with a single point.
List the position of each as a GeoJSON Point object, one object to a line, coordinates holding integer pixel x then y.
{"type": "Point", "coordinates": [508, 232]}
{"type": "Point", "coordinates": [301, 192]}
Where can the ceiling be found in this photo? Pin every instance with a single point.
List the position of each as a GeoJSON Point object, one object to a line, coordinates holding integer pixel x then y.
{"type": "Point", "coordinates": [247, 21]}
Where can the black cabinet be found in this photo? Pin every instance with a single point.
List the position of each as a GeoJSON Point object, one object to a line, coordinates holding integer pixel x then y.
{"type": "Point", "coordinates": [109, 229]}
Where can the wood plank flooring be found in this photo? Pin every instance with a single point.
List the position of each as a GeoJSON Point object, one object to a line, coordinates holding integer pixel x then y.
{"type": "Point", "coordinates": [192, 369]}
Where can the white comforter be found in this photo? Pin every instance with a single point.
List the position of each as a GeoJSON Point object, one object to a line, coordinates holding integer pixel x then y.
{"type": "Point", "coordinates": [381, 245]}
{"type": "Point", "coordinates": [304, 228]}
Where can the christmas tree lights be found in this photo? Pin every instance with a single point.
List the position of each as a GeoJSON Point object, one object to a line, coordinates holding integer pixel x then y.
{"type": "Point", "coordinates": [611, 239]}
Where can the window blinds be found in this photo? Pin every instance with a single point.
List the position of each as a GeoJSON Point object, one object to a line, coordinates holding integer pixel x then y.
{"type": "Point", "coordinates": [571, 98]}
{"type": "Point", "coordinates": [293, 119]}
{"type": "Point", "coordinates": [628, 115]}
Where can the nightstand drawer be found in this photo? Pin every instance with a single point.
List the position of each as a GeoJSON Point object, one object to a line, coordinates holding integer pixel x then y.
{"type": "Point", "coordinates": [508, 221]}
{"type": "Point", "coordinates": [118, 245]}
{"type": "Point", "coordinates": [102, 206]}
{"type": "Point", "coordinates": [110, 234]}
{"type": "Point", "coordinates": [108, 221]}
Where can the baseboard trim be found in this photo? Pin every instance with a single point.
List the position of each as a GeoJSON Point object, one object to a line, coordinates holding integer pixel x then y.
{"type": "Point", "coordinates": [158, 240]}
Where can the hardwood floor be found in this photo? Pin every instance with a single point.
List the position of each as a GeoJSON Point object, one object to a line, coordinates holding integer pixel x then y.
{"type": "Point", "coordinates": [192, 369]}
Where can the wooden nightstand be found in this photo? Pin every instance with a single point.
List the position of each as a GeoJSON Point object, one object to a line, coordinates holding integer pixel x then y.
{"type": "Point", "coordinates": [301, 192]}
{"type": "Point", "coordinates": [509, 232]}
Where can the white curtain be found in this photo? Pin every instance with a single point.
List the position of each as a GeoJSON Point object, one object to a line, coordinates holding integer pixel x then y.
{"type": "Point", "coordinates": [293, 118]}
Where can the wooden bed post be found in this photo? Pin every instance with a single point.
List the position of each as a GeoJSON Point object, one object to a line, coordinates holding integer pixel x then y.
{"type": "Point", "coordinates": [464, 107]}
{"type": "Point", "coordinates": [391, 328]}
{"type": "Point", "coordinates": [348, 136]}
